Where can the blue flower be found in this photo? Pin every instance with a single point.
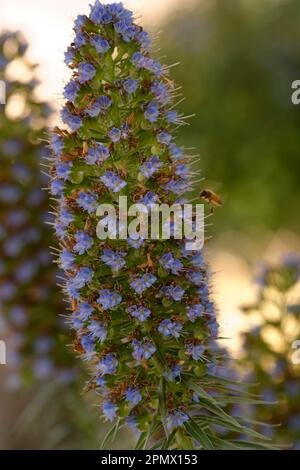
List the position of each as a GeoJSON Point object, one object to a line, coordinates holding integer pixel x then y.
{"type": "Point", "coordinates": [57, 187]}
{"type": "Point", "coordinates": [143, 38]}
{"type": "Point", "coordinates": [141, 313]}
{"type": "Point", "coordinates": [86, 72]}
{"type": "Point", "coordinates": [83, 242]}
{"type": "Point", "coordinates": [87, 201]}
{"type": "Point", "coordinates": [101, 45]}
{"type": "Point", "coordinates": [114, 260]}
{"type": "Point", "coordinates": [98, 331]}
{"type": "Point", "coordinates": [172, 117]}
{"type": "Point", "coordinates": [97, 154]}
{"type": "Point", "coordinates": [126, 30]}
{"type": "Point", "coordinates": [152, 112]}
{"type": "Point", "coordinates": [99, 14]}
{"type": "Point", "coordinates": [115, 134]}
{"type": "Point", "coordinates": [151, 166]}
{"type": "Point", "coordinates": [142, 283]}
{"type": "Point", "coordinates": [181, 170]}
{"type": "Point", "coordinates": [161, 92]}
{"type": "Point", "coordinates": [196, 351]}
{"type": "Point", "coordinates": [149, 200]}
{"type": "Point", "coordinates": [66, 217]}
{"type": "Point", "coordinates": [176, 152]}
{"type": "Point", "coordinates": [100, 381]}
{"type": "Point", "coordinates": [135, 243]}
{"type": "Point", "coordinates": [173, 373]}
{"type": "Point", "coordinates": [169, 263]}
{"type": "Point", "coordinates": [101, 105]}
{"type": "Point", "coordinates": [173, 292]}
{"type": "Point", "coordinates": [83, 277]}
{"type": "Point", "coordinates": [194, 311]}
{"type": "Point", "coordinates": [142, 351]}
{"type": "Point", "coordinates": [79, 39]}
{"type": "Point", "coordinates": [69, 56]}
{"type": "Point", "coordinates": [74, 122]}
{"type": "Point", "coordinates": [63, 170]}
{"type": "Point", "coordinates": [109, 299]}
{"type": "Point", "coordinates": [110, 411]}
{"type": "Point", "coordinates": [118, 12]}
{"type": "Point", "coordinates": [169, 328]}
{"type": "Point", "coordinates": [60, 231]}
{"type": "Point", "coordinates": [164, 138]}
{"type": "Point", "coordinates": [112, 181]}
{"type": "Point", "coordinates": [67, 260]}
{"type": "Point", "coordinates": [56, 144]}
{"type": "Point", "coordinates": [134, 396]}
{"type": "Point", "coordinates": [130, 86]}
{"type": "Point", "coordinates": [108, 365]}
{"type": "Point", "coordinates": [88, 344]}
{"type": "Point", "coordinates": [176, 419]}
{"type": "Point", "coordinates": [84, 310]}
{"type": "Point", "coordinates": [196, 277]}
{"type": "Point", "coordinates": [177, 186]}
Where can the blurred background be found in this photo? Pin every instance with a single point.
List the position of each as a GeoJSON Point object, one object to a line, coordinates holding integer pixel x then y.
{"type": "Point", "coordinates": [237, 62]}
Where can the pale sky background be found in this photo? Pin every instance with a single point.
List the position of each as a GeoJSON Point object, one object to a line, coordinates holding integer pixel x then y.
{"type": "Point", "coordinates": [47, 25]}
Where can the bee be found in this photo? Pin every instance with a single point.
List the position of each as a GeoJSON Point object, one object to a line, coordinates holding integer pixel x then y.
{"type": "Point", "coordinates": [211, 197]}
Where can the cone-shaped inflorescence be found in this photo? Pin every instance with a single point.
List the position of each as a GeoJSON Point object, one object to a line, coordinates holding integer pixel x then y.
{"type": "Point", "coordinates": [274, 364]}
{"type": "Point", "coordinates": [140, 308]}
{"type": "Point", "coordinates": [30, 304]}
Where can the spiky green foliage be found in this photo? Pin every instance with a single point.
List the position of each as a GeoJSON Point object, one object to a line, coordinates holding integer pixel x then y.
{"type": "Point", "coordinates": [141, 309]}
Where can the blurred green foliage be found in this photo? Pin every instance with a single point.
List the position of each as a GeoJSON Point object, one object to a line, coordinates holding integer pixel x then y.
{"type": "Point", "coordinates": [238, 60]}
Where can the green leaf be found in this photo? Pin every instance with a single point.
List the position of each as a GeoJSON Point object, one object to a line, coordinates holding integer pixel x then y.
{"type": "Point", "coordinates": [197, 433]}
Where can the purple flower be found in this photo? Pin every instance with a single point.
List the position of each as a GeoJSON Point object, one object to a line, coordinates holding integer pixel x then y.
{"type": "Point", "coordinates": [88, 344]}
{"type": "Point", "coordinates": [172, 117]}
{"type": "Point", "coordinates": [172, 373]}
{"type": "Point", "coordinates": [172, 292]}
{"type": "Point", "coordinates": [97, 154]}
{"type": "Point", "coordinates": [63, 170]}
{"type": "Point", "coordinates": [176, 152]}
{"type": "Point", "coordinates": [84, 310]}
{"type": "Point", "coordinates": [144, 40]}
{"type": "Point", "coordinates": [149, 200]}
{"type": "Point", "coordinates": [86, 72]}
{"type": "Point", "coordinates": [99, 14]}
{"type": "Point", "coordinates": [177, 186]}
{"type": "Point", "coordinates": [142, 351]}
{"type": "Point", "coordinates": [142, 283]}
{"type": "Point", "coordinates": [135, 243]}
{"type": "Point", "coordinates": [57, 187]}
{"type": "Point", "coordinates": [161, 92]}
{"type": "Point", "coordinates": [196, 351]}
{"type": "Point", "coordinates": [87, 201]}
{"type": "Point", "coordinates": [83, 277]}
{"type": "Point", "coordinates": [126, 30]}
{"type": "Point", "coordinates": [67, 260]}
{"type": "Point", "coordinates": [118, 12]}
{"type": "Point", "coordinates": [196, 277]}
{"type": "Point", "coordinates": [130, 86]}
{"type": "Point", "coordinates": [134, 396]}
{"type": "Point", "coordinates": [169, 263]}
{"type": "Point", "coordinates": [101, 105]}
{"type": "Point", "coordinates": [176, 419]}
{"type": "Point", "coordinates": [151, 166]}
{"type": "Point", "coordinates": [79, 39]}
{"type": "Point", "coordinates": [108, 365]}
{"type": "Point", "coordinates": [56, 144]}
{"type": "Point", "coordinates": [115, 134]}
{"type": "Point", "coordinates": [98, 331]}
{"type": "Point", "coordinates": [194, 311]}
{"type": "Point", "coordinates": [112, 181]}
{"type": "Point", "coordinates": [114, 260]}
{"type": "Point", "coordinates": [74, 122]}
{"type": "Point", "coordinates": [101, 45]}
{"type": "Point", "coordinates": [141, 313]}
{"type": "Point", "coordinates": [169, 328]}
{"type": "Point", "coordinates": [164, 138]}
{"type": "Point", "coordinates": [79, 22]}
{"type": "Point", "coordinates": [110, 411]}
{"type": "Point", "coordinates": [66, 218]}
{"type": "Point", "coordinates": [69, 56]}
{"type": "Point", "coordinates": [181, 170]}
{"type": "Point", "coordinates": [109, 299]}
{"type": "Point", "coordinates": [83, 242]}
{"type": "Point", "coordinates": [60, 231]}
{"type": "Point", "coordinates": [152, 112]}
